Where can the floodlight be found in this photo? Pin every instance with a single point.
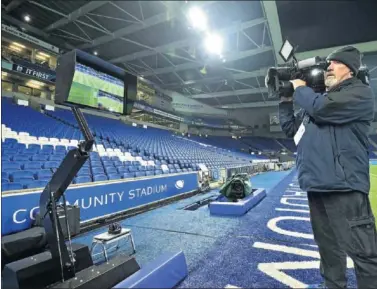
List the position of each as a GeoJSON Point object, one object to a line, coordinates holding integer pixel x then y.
{"type": "Point", "coordinates": [286, 51]}
{"type": "Point", "coordinates": [198, 18]}
{"type": "Point", "coordinates": [214, 43]}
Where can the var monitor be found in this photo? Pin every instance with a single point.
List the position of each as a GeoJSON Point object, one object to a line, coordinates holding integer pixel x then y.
{"type": "Point", "coordinates": [86, 81]}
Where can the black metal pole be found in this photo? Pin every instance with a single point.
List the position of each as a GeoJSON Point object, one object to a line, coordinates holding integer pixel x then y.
{"type": "Point", "coordinates": [55, 189]}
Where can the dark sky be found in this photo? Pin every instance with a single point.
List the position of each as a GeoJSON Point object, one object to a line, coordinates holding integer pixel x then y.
{"type": "Point", "coordinates": [321, 24]}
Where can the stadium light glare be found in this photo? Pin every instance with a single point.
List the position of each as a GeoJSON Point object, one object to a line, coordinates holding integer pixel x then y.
{"type": "Point", "coordinates": [18, 44]}
{"type": "Point", "coordinates": [43, 54]}
{"type": "Point", "coordinates": [27, 18]}
{"type": "Point", "coordinates": [198, 19]}
{"type": "Point", "coordinates": [214, 43]}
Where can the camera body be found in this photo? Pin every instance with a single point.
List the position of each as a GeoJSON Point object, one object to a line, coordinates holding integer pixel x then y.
{"type": "Point", "coordinates": [311, 70]}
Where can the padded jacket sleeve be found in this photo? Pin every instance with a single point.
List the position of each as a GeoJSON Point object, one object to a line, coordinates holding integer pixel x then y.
{"type": "Point", "coordinates": [289, 122]}
{"type": "Point", "coordinates": [354, 103]}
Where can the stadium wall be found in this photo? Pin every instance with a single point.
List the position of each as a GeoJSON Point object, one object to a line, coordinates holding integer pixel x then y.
{"type": "Point", "coordinates": [184, 105]}
{"type": "Point", "coordinates": [98, 200]}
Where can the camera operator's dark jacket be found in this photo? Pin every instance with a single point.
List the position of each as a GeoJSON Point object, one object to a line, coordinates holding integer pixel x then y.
{"type": "Point", "coordinates": [332, 154]}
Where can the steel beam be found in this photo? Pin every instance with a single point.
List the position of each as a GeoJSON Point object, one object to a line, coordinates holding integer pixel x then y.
{"type": "Point", "coordinates": [188, 42]}
{"type": "Point", "coordinates": [34, 30]}
{"type": "Point", "coordinates": [232, 57]}
{"type": "Point", "coordinates": [230, 93]}
{"type": "Point", "coordinates": [271, 13]}
{"type": "Point", "coordinates": [249, 105]}
{"type": "Point", "coordinates": [13, 5]}
{"type": "Point", "coordinates": [238, 76]}
{"type": "Point", "coordinates": [364, 47]}
{"type": "Point", "coordinates": [152, 21]}
{"type": "Point", "coordinates": [75, 14]}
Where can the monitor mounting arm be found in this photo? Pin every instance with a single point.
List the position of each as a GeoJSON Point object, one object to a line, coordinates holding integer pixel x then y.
{"type": "Point", "coordinates": [55, 189]}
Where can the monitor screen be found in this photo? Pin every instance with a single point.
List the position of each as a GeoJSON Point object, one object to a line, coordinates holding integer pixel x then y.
{"type": "Point", "coordinates": [96, 89]}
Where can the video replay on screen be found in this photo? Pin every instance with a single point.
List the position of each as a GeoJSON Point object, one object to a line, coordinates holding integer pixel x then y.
{"type": "Point", "coordinates": [95, 89]}
{"type": "Point", "coordinates": [86, 81]}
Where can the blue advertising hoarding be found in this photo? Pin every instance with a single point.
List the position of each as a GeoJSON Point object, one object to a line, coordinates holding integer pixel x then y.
{"type": "Point", "coordinates": [97, 200]}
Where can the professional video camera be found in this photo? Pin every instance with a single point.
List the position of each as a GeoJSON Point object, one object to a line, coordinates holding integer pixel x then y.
{"type": "Point", "coordinates": [237, 187]}
{"type": "Point", "coordinates": [310, 70]}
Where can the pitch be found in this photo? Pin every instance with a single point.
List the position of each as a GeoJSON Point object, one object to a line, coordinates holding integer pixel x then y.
{"type": "Point", "coordinates": [373, 189]}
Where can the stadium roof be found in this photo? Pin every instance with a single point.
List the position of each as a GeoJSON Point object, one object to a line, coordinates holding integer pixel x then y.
{"type": "Point", "coordinates": [153, 39]}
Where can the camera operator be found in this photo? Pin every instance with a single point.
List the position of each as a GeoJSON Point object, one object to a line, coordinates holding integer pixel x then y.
{"type": "Point", "coordinates": [331, 135]}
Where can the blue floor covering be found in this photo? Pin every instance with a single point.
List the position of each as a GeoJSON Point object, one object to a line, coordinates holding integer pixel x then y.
{"type": "Point", "coordinates": [231, 250]}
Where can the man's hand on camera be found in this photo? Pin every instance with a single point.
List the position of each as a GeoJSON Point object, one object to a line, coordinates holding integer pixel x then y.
{"type": "Point", "coordinates": [297, 83]}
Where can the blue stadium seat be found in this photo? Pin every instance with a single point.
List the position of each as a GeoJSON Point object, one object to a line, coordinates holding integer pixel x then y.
{"type": "Point", "coordinates": [51, 165]}
{"type": "Point", "coordinates": [56, 158]}
{"type": "Point", "coordinates": [98, 170]}
{"type": "Point", "coordinates": [10, 166]}
{"type": "Point", "coordinates": [83, 179]}
{"type": "Point", "coordinates": [32, 165]}
{"type": "Point", "coordinates": [11, 186]}
{"type": "Point", "coordinates": [34, 147]}
{"type": "Point", "coordinates": [140, 174]}
{"type": "Point", "coordinates": [152, 144]}
{"type": "Point", "coordinates": [122, 170]}
{"type": "Point", "coordinates": [158, 172]}
{"type": "Point", "coordinates": [111, 170]}
{"type": "Point", "coordinates": [60, 148]}
{"type": "Point", "coordinates": [25, 182]}
{"type": "Point", "coordinates": [98, 178]}
{"type": "Point", "coordinates": [149, 173]}
{"type": "Point", "coordinates": [84, 171]}
{"type": "Point", "coordinates": [96, 164]}
{"type": "Point", "coordinates": [114, 177]}
{"type": "Point", "coordinates": [128, 175]}
{"type": "Point", "coordinates": [39, 158]}
{"type": "Point", "coordinates": [44, 174]}
{"type": "Point", "coordinates": [22, 174]}
{"type": "Point", "coordinates": [37, 184]}
{"type": "Point", "coordinates": [132, 169]}
{"type": "Point", "coordinates": [108, 163]}
{"type": "Point", "coordinates": [10, 141]}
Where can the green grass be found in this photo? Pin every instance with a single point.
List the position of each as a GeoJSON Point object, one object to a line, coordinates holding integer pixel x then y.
{"type": "Point", "coordinates": [373, 189]}
{"type": "Point", "coordinates": [83, 94]}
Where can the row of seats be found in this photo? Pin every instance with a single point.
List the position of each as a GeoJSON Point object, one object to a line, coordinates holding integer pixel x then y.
{"type": "Point", "coordinates": [120, 150]}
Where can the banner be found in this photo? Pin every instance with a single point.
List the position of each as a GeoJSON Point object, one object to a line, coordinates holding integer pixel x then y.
{"type": "Point", "coordinates": [97, 200]}
{"type": "Point", "coordinates": [34, 72]}
{"type": "Point", "coordinates": [183, 104]}
{"type": "Point", "coordinates": [14, 31]}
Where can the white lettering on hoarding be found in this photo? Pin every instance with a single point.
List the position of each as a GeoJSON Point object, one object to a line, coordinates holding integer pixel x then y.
{"type": "Point", "coordinates": [137, 193]}
{"type": "Point", "coordinates": [20, 215]}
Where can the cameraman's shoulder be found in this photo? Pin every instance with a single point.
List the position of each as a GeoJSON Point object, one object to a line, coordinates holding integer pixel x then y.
{"type": "Point", "coordinates": [359, 89]}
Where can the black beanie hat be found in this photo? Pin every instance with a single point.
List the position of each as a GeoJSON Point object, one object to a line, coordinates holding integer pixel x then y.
{"type": "Point", "coordinates": [347, 55]}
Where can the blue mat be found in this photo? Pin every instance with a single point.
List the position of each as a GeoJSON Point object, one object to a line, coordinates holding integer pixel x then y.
{"type": "Point", "coordinates": [259, 257]}
{"type": "Point", "coordinates": [168, 270]}
{"type": "Point", "coordinates": [223, 207]}
{"type": "Point", "coordinates": [216, 247]}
